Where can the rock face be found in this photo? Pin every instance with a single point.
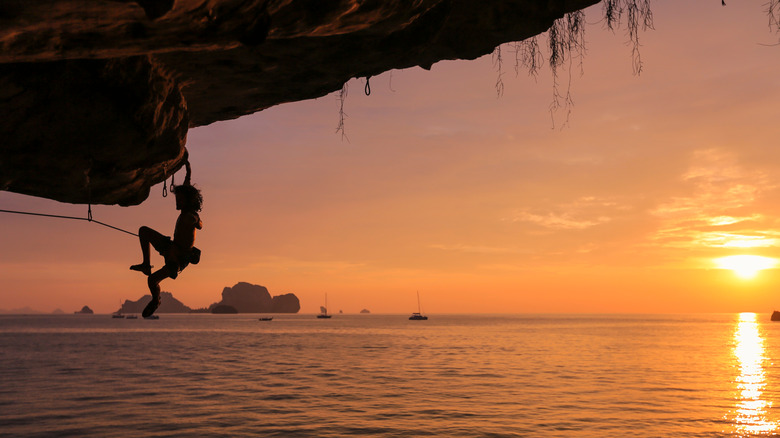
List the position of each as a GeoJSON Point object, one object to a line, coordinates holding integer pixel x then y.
{"type": "Point", "coordinates": [286, 303]}
{"type": "Point", "coordinates": [243, 298]}
{"type": "Point", "coordinates": [251, 298]}
{"type": "Point", "coordinates": [117, 120]}
{"type": "Point", "coordinates": [84, 311]}
{"type": "Point", "coordinates": [96, 96]}
{"type": "Point", "coordinates": [168, 304]}
{"type": "Point", "coordinates": [222, 309]}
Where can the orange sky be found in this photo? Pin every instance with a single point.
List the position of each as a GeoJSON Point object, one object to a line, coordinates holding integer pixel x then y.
{"type": "Point", "coordinates": [471, 199]}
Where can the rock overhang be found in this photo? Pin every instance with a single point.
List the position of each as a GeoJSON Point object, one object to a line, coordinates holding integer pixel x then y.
{"type": "Point", "coordinates": [96, 96]}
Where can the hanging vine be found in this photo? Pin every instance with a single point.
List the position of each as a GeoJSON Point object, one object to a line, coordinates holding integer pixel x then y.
{"type": "Point", "coordinates": [566, 44]}
{"type": "Point", "coordinates": [498, 63]}
{"type": "Point", "coordinates": [773, 11]}
{"type": "Point", "coordinates": [342, 115]}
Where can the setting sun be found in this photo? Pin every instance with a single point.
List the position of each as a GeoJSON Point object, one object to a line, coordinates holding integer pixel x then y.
{"type": "Point", "coordinates": [746, 266]}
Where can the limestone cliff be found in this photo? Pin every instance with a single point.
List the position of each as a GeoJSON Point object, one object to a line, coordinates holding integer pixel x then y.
{"type": "Point", "coordinates": [251, 298]}
{"type": "Point", "coordinates": [168, 304]}
{"type": "Point", "coordinates": [96, 96]}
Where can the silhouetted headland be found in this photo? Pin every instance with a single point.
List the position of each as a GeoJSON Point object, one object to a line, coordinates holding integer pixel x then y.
{"type": "Point", "coordinates": [251, 298]}
{"type": "Point", "coordinates": [243, 298]}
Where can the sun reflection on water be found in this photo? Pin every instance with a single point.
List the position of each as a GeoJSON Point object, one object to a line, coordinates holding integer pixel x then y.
{"type": "Point", "coordinates": [751, 417]}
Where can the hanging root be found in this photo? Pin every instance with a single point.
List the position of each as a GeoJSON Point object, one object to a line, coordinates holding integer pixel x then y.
{"type": "Point", "coordinates": [773, 11]}
{"type": "Point", "coordinates": [342, 114]}
{"type": "Point", "coordinates": [566, 43]}
{"type": "Point", "coordinates": [638, 15]}
{"type": "Point", "coordinates": [529, 56]}
{"type": "Point", "coordinates": [498, 63]}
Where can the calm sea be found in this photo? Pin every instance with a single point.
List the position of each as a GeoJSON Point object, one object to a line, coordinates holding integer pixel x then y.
{"type": "Point", "coordinates": [386, 376]}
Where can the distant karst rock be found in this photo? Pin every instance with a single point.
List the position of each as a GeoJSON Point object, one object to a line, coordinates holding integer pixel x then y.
{"type": "Point", "coordinates": [247, 298]}
{"type": "Point", "coordinates": [58, 312]}
{"type": "Point", "coordinates": [365, 311]}
{"type": "Point", "coordinates": [223, 309]}
{"type": "Point", "coordinates": [251, 298]}
{"type": "Point", "coordinates": [286, 303]}
{"type": "Point", "coordinates": [85, 311]}
{"type": "Point", "coordinates": [168, 304]}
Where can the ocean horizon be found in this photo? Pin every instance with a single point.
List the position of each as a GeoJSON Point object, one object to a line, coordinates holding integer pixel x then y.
{"type": "Point", "coordinates": [494, 375]}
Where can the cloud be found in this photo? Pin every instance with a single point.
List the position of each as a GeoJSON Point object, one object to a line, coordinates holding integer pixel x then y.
{"type": "Point", "coordinates": [584, 212]}
{"type": "Point", "coordinates": [478, 249]}
{"type": "Point", "coordinates": [560, 221]}
{"type": "Point", "coordinates": [718, 186]}
{"type": "Point", "coordinates": [729, 220]}
{"type": "Point", "coordinates": [290, 264]}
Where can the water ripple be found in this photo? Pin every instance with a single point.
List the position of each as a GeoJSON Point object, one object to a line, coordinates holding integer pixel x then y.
{"type": "Point", "coordinates": [480, 376]}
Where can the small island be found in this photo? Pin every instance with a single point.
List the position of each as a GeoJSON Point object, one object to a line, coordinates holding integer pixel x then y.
{"type": "Point", "coordinates": [241, 298]}
{"type": "Point", "coordinates": [252, 298]}
{"type": "Point", "coordinates": [84, 311]}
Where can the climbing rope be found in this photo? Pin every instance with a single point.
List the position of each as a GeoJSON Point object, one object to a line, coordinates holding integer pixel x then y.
{"type": "Point", "coordinates": [368, 86]}
{"type": "Point", "coordinates": [88, 218]}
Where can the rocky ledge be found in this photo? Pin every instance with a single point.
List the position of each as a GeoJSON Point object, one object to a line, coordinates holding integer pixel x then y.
{"type": "Point", "coordinates": [96, 96]}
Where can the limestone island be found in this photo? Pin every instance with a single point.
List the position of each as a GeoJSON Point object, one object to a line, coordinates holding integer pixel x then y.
{"type": "Point", "coordinates": [241, 298]}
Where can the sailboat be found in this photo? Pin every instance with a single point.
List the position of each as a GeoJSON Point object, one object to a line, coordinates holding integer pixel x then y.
{"type": "Point", "coordinates": [418, 316]}
{"type": "Point", "coordinates": [324, 310]}
{"type": "Point", "coordinates": [118, 313]}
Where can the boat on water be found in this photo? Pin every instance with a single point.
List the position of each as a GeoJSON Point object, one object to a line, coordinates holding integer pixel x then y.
{"type": "Point", "coordinates": [118, 313]}
{"type": "Point", "coordinates": [324, 310]}
{"type": "Point", "coordinates": [131, 317]}
{"type": "Point", "coordinates": [152, 317]}
{"type": "Point", "coordinates": [418, 316]}
{"type": "Point", "coordinates": [267, 318]}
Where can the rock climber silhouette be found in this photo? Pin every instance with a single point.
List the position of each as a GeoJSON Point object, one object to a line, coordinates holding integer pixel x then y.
{"type": "Point", "coordinates": [177, 252]}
